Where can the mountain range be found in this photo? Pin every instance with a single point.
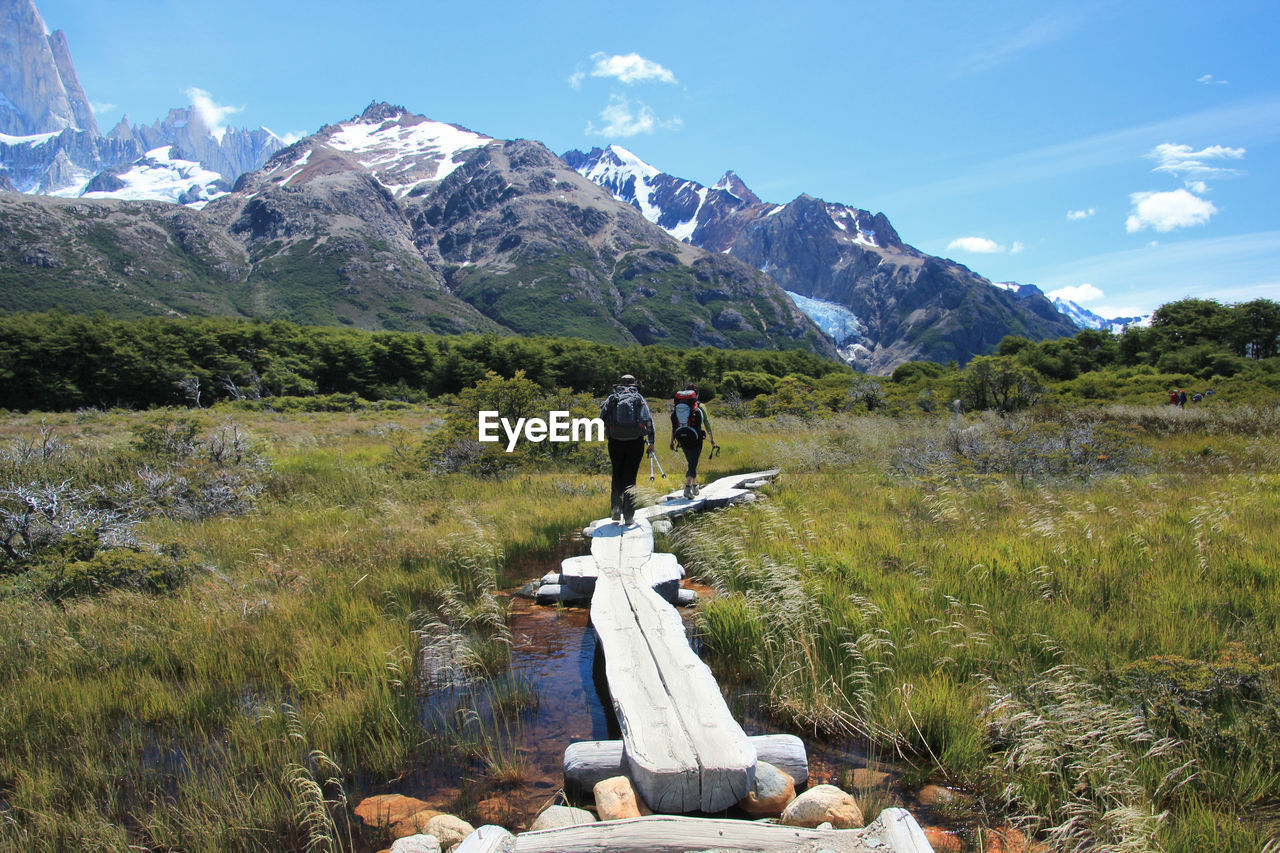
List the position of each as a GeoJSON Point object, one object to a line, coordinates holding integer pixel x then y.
{"type": "Point", "coordinates": [389, 220]}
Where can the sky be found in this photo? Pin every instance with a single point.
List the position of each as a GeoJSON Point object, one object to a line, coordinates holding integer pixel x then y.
{"type": "Point", "coordinates": [1122, 155]}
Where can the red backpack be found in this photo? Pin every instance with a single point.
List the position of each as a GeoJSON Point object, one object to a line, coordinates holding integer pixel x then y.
{"type": "Point", "coordinates": [688, 419]}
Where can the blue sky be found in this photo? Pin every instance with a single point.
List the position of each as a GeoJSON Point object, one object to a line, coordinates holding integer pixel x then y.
{"type": "Point", "coordinates": [1128, 152]}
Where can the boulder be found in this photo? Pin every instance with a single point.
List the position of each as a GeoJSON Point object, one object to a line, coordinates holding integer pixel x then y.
{"type": "Point", "coordinates": [821, 804]}
{"type": "Point", "coordinates": [416, 844]}
{"type": "Point", "coordinates": [616, 799]}
{"type": "Point", "coordinates": [556, 817]}
{"type": "Point", "coordinates": [448, 830]}
{"type": "Point", "coordinates": [770, 793]}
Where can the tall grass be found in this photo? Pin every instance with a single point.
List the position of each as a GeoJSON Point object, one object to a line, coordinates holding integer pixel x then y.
{"type": "Point", "coordinates": [1002, 601]}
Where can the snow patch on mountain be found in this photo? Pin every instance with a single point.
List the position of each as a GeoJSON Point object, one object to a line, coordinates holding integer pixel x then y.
{"type": "Point", "coordinates": [403, 153]}
{"type": "Point", "coordinates": [159, 176]}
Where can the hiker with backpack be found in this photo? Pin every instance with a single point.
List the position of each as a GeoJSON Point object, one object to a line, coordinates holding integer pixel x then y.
{"type": "Point", "coordinates": [690, 426]}
{"type": "Point", "coordinates": [628, 426]}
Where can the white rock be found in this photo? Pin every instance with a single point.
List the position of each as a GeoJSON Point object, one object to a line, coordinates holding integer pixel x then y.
{"type": "Point", "coordinates": [416, 844]}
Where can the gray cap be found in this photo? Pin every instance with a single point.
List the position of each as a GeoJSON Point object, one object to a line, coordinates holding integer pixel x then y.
{"type": "Point", "coordinates": [626, 379]}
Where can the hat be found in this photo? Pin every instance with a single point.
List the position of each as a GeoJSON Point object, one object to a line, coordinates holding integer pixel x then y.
{"type": "Point", "coordinates": [626, 379]}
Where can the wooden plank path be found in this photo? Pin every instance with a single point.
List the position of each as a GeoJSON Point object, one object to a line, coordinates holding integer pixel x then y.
{"type": "Point", "coordinates": [680, 747]}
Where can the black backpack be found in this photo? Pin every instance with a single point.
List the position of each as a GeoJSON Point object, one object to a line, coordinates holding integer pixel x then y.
{"type": "Point", "coordinates": [687, 416]}
{"type": "Point", "coordinates": [623, 414]}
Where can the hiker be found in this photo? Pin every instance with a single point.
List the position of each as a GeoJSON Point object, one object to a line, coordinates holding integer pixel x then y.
{"type": "Point", "coordinates": [629, 428]}
{"type": "Point", "coordinates": [690, 425]}
{"type": "Point", "coordinates": [1182, 399]}
{"type": "Point", "coordinates": [1173, 397]}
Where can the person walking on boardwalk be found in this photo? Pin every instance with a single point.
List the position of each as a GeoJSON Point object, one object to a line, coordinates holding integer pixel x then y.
{"type": "Point", "coordinates": [690, 427]}
{"type": "Point", "coordinates": [628, 426]}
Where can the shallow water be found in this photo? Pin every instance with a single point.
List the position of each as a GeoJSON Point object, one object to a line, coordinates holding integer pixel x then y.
{"type": "Point", "coordinates": [554, 652]}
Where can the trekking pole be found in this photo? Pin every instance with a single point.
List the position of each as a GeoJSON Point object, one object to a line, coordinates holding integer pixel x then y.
{"type": "Point", "coordinates": [714, 451]}
{"type": "Point", "coordinates": [653, 457]}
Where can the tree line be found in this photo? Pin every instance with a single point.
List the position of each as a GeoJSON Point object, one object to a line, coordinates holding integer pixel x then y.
{"type": "Point", "coordinates": [57, 361]}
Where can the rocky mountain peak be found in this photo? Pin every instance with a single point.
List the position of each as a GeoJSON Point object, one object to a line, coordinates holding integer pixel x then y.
{"type": "Point", "coordinates": [39, 91]}
{"type": "Point", "coordinates": [379, 111]}
{"type": "Point", "coordinates": [734, 185]}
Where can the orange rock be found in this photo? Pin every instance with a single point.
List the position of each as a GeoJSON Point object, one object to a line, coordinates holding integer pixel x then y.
{"type": "Point", "coordinates": [402, 815]}
{"type": "Point", "coordinates": [943, 841]}
{"type": "Point", "coordinates": [1004, 839]}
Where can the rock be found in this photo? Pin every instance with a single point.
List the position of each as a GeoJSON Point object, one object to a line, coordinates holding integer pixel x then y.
{"type": "Point", "coordinates": [416, 844]}
{"type": "Point", "coordinates": [943, 841]}
{"type": "Point", "coordinates": [936, 796]}
{"type": "Point", "coordinates": [1005, 839]}
{"type": "Point", "coordinates": [401, 815]}
{"type": "Point", "coordinates": [556, 817]}
{"type": "Point", "coordinates": [487, 839]}
{"type": "Point", "coordinates": [820, 804]}
{"type": "Point", "coordinates": [865, 778]}
{"type": "Point", "coordinates": [448, 830]}
{"type": "Point", "coordinates": [770, 793]}
{"type": "Point", "coordinates": [616, 799]}
{"type": "Point", "coordinates": [497, 810]}
{"type": "Point", "coordinates": [662, 525]}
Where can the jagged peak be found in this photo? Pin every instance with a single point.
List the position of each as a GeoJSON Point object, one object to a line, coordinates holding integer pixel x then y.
{"type": "Point", "coordinates": [735, 186]}
{"type": "Point", "coordinates": [379, 111]}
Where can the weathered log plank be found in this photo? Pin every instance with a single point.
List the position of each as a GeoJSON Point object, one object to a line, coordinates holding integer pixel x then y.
{"type": "Point", "coordinates": [590, 761]}
{"type": "Point", "coordinates": [487, 839]}
{"type": "Point", "coordinates": [667, 834]}
{"type": "Point", "coordinates": [661, 761]}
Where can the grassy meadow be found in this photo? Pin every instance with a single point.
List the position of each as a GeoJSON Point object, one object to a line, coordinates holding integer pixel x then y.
{"type": "Point", "coordinates": [1071, 617]}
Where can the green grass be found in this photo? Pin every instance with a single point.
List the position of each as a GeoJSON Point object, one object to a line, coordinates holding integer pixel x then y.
{"type": "Point", "coordinates": [932, 586]}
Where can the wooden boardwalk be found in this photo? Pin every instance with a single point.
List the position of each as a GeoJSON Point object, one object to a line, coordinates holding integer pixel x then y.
{"type": "Point", "coordinates": [680, 747]}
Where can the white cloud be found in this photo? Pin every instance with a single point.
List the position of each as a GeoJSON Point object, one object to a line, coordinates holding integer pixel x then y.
{"type": "Point", "coordinates": [1080, 294]}
{"type": "Point", "coordinates": [213, 114]}
{"type": "Point", "coordinates": [1167, 211]}
{"type": "Point", "coordinates": [622, 120]}
{"type": "Point", "coordinates": [1197, 187]}
{"type": "Point", "coordinates": [99, 107]}
{"type": "Point", "coordinates": [1077, 215]}
{"type": "Point", "coordinates": [287, 138]}
{"type": "Point", "coordinates": [1210, 80]}
{"type": "Point", "coordinates": [630, 69]}
{"type": "Point", "coordinates": [576, 78]}
{"type": "Point", "coordinates": [975, 245]}
{"type": "Point", "coordinates": [1183, 161]}
{"type": "Point", "coordinates": [1016, 248]}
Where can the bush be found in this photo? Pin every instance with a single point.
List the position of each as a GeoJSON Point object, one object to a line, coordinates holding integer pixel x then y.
{"type": "Point", "coordinates": [112, 568]}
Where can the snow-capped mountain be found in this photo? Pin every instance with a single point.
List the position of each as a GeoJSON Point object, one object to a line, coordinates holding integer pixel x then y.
{"type": "Point", "coordinates": [407, 154]}
{"type": "Point", "coordinates": [49, 138]}
{"type": "Point", "coordinates": [908, 305]}
{"type": "Point", "coordinates": [1086, 319]}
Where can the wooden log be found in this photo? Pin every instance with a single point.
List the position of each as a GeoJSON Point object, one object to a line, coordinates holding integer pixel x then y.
{"type": "Point", "coordinates": [660, 758]}
{"type": "Point", "coordinates": [588, 762]}
{"type": "Point", "coordinates": [898, 828]}
{"type": "Point", "coordinates": [667, 834]}
{"type": "Point", "coordinates": [559, 592]}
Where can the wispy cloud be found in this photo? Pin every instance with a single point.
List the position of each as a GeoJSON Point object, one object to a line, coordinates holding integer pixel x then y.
{"type": "Point", "coordinates": [100, 107]}
{"type": "Point", "coordinates": [1231, 269]}
{"type": "Point", "coordinates": [213, 114]}
{"type": "Point", "coordinates": [1077, 215]}
{"type": "Point", "coordinates": [1183, 161]}
{"type": "Point", "coordinates": [1167, 211]}
{"type": "Point", "coordinates": [1032, 36]}
{"type": "Point", "coordinates": [631, 68]}
{"type": "Point", "coordinates": [623, 120]}
{"type": "Point", "coordinates": [1210, 80]}
{"type": "Point", "coordinates": [1250, 121]}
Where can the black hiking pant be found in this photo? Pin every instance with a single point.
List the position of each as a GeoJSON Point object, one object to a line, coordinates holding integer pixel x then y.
{"type": "Point", "coordinates": [692, 447]}
{"type": "Point", "coordinates": [625, 456]}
